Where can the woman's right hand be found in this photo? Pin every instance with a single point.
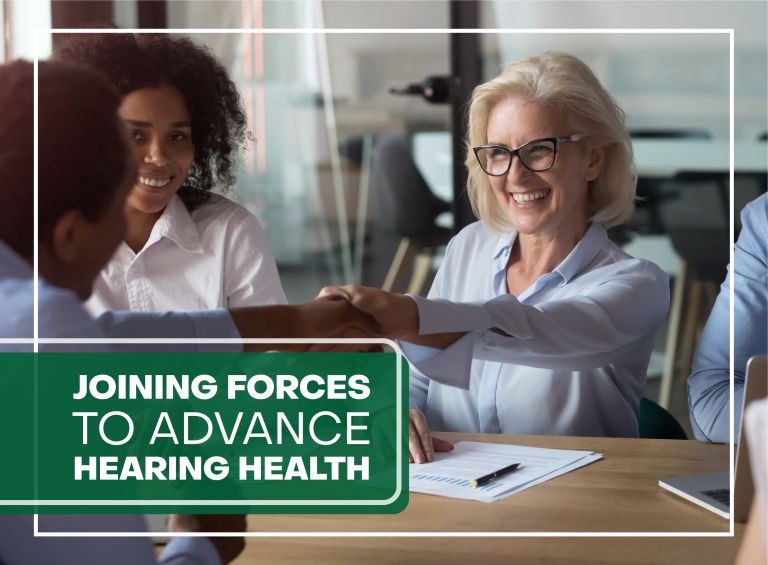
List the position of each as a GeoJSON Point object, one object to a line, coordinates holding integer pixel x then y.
{"type": "Point", "coordinates": [421, 444]}
{"type": "Point", "coordinates": [396, 314]}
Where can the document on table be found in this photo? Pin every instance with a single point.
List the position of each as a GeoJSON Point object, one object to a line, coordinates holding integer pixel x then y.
{"type": "Point", "coordinates": [449, 474]}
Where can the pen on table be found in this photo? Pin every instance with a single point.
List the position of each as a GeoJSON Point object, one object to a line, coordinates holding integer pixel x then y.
{"type": "Point", "coordinates": [490, 476]}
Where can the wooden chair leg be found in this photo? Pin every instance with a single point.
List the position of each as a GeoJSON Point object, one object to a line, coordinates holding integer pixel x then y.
{"type": "Point", "coordinates": [421, 269]}
{"type": "Point", "coordinates": [673, 334]}
{"type": "Point", "coordinates": [692, 317]}
{"type": "Point", "coordinates": [402, 261]}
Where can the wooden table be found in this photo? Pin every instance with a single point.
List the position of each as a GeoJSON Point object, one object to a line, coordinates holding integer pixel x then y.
{"type": "Point", "coordinates": [617, 494]}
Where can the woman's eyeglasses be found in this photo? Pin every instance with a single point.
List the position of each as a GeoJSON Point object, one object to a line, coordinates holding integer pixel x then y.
{"type": "Point", "coordinates": [537, 155]}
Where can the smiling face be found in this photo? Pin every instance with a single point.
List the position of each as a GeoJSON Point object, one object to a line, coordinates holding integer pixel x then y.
{"type": "Point", "coordinates": [160, 128]}
{"type": "Point", "coordinates": [550, 203]}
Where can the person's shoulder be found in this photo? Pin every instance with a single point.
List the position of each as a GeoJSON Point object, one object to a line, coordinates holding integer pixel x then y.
{"type": "Point", "coordinates": [61, 314]}
{"type": "Point", "coordinates": [612, 253]}
{"type": "Point", "coordinates": [221, 208]}
{"type": "Point", "coordinates": [620, 261]}
{"type": "Point", "coordinates": [225, 214]}
{"type": "Point", "coordinates": [755, 214]}
{"type": "Point", "coordinates": [474, 242]}
{"type": "Point", "coordinates": [476, 234]}
{"type": "Point", "coordinates": [753, 239]}
{"type": "Point", "coordinates": [18, 308]}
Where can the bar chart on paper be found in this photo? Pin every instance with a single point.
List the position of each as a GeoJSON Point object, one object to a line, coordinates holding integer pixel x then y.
{"type": "Point", "coordinates": [454, 481]}
{"type": "Point", "coordinates": [450, 474]}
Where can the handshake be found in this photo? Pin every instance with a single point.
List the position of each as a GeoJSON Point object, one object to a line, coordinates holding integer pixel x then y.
{"type": "Point", "coordinates": [359, 311]}
{"type": "Point", "coordinates": [350, 312]}
{"type": "Point", "coordinates": [373, 311]}
{"type": "Point", "coordinates": [339, 312]}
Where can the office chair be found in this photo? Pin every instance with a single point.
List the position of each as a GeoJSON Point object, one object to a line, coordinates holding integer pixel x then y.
{"type": "Point", "coordinates": [654, 422]}
{"type": "Point", "coordinates": [406, 206]}
{"type": "Point", "coordinates": [647, 216]}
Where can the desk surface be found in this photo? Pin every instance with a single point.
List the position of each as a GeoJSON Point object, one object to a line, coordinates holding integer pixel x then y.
{"type": "Point", "coordinates": [617, 494]}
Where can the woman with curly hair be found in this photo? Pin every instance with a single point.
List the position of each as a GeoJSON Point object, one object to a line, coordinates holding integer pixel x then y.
{"type": "Point", "coordinates": [186, 248]}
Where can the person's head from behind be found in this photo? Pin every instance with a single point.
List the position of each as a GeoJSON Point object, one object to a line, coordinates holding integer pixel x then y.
{"type": "Point", "coordinates": [17, 157]}
{"type": "Point", "coordinates": [85, 170]}
{"type": "Point", "coordinates": [181, 108]}
{"type": "Point", "coordinates": [548, 149]}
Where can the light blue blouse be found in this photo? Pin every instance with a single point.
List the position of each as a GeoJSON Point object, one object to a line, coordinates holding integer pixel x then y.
{"type": "Point", "coordinates": [577, 344]}
{"type": "Point", "coordinates": [61, 315]}
{"type": "Point", "coordinates": [19, 546]}
{"type": "Point", "coordinates": [708, 385]}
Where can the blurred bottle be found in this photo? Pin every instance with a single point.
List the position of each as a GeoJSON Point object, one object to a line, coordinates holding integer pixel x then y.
{"type": "Point", "coordinates": [435, 90]}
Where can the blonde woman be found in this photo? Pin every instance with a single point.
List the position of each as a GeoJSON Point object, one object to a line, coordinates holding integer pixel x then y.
{"type": "Point", "coordinates": [553, 325]}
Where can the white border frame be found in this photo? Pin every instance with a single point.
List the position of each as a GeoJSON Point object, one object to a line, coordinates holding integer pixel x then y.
{"type": "Point", "coordinates": [585, 31]}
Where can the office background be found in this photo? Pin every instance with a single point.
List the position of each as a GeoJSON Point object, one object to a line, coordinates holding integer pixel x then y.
{"type": "Point", "coordinates": [355, 183]}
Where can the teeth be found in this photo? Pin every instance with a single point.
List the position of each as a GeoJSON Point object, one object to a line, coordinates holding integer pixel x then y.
{"type": "Point", "coordinates": [156, 183]}
{"type": "Point", "coordinates": [529, 196]}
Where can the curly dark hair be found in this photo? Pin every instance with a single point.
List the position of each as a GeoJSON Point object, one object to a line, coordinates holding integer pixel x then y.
{"type": "Point", "coordinates": [219, 126]}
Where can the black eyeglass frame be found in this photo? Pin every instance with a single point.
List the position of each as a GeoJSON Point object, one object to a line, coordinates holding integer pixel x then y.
{"type": "Point", "coordinates": [556, 141]}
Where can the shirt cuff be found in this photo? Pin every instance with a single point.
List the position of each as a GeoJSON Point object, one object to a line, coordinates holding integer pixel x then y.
{"type": "Point", "coordinates": [416, 353]}
{"type": "Point", "coordinates": [442, 316]}
{"type": "Point", "coordinates": [189, 551]}
{"type": "Point", "coordinates": [450, 366]}
{"type": "Point", "coordinates": [216, 324]}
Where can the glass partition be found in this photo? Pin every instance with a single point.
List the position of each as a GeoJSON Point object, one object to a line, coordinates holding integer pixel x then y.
{"type": "Point", "coordinates": [316, 104]}
{"type": "Point", "coordinates": [664, 81]}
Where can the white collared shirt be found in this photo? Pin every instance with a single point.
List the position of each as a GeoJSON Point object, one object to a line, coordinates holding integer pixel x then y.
{"type": "Point", "coordinates": [576, 352]}
{"type": "Point", "coordinates": [215, 257]}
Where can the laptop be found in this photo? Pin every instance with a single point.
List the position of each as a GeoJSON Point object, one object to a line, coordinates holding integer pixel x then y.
{"type": "Point", "coordinates": [712, 490]}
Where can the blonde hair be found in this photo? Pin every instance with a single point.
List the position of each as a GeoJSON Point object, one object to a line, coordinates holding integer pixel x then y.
{"type": "Point", "coordinates": [564, 81]}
